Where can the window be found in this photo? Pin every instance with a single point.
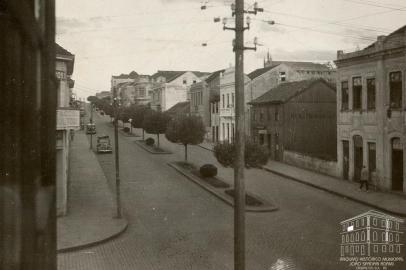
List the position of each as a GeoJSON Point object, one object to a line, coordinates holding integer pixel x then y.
{"type": "Point", "coordinates": [375, 236]}
{"type": "Point", "coordinates": [397, 249]}
{"type": "Point", "coordinates": [228, 100]}
{"type": "Point", "coordinates": [390, 237]}
{"type": "Point", "coordinates": [374, 221]}
{"type": "Point", "coordinates": [395, 88]}
{"type": "Point", "coordinates": [362, 236]}
{"type": "Point", "coordinates": [282, 76]}
{"type": "Point", "coordinates": [356, 223]}
{"type": "Point", "coordinates": [184, 81]}
{"type": "Point", "coordinates": [344, 95]}
{"type": "Point", "coordinates": [371, 104]}
{"type": "Point", "coordinates": [232, 99]}
{"type": "Point", "coordinates": [383, 223]}
{"type": "Point", "coordinates": [372, 156]}
{"type": "Point", "coordinates": [397, 237]}
{"type": "Point", "coordinates": [194, 81]}
{"type": "Point", "coordinates": [268, 113]}
{"type": "Point", "coordinates": [261, 115]}
{"type": "Point", "coordinates": [383, 237]}
{"type": "Point", "coordinates": [357, 237]}
{"type": "Point", "coordinates": [343, 239]}
{"type": "Point", "coordinates": [357, 93]}
{"type": "Point", "coordinates": [224, 132]}
{"type": "Point", "coordinates": [222, 96]}
{"type": "Point", "coordinates": [375, 248]}
{"type": "Point", "coordinates": [347, 238]}
{"type": "Point", "coordinates": [383, 248]}
{"type": "Point", "coordinates": [228, 131]}
{"type": "Point", "coordinates": [362, 222]}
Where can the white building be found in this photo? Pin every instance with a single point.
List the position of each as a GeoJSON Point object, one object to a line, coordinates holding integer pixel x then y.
{"type": "Point", "coordinates": [67, 121]}
{"type": "Point", "coordinates": [172, 87]}
{"type": "Point", "coordinates": [226, 110]}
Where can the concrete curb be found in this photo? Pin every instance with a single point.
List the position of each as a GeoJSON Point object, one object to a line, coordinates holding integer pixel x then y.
{"type": "Point", "coordinates": [336, 193]}
{"type": "Point", "coordinates": [140, 144]}
{"type": "Point", "coordinates": [206, 148]}
{"type": "Point", "coordinates": [117, 233]}
{"type": "Point", "coordinates": [219, 192]}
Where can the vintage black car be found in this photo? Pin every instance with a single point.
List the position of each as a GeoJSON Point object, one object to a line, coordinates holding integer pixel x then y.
{"type": "Point", "coordinates": [103, 144]}
{"type": "Point", "coordinates": [90, 128]}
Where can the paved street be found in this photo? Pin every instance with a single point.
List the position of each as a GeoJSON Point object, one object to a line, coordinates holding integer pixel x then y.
{"type": "Point", "coordinates": [175, 224]}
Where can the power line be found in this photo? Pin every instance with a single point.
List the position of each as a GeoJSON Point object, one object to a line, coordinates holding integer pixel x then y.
{"type": "Point", "coordinates": [369, 3]}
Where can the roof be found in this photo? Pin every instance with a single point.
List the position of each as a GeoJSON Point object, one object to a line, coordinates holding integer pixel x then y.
{"type": "Point", "coordinates": [396, 32]}
{"type": "Point", "coordinates": [373, 213]}
{"type": "Point", "coordinates": [294, 64]}
{"type": "Point", "coordinates": [179, 108]}
{"type": "Point", "coordinates": [62, 51]}
{"type": "Point", "coordinates": [214, 74]}
{"type": "Point", "coordinates": [167, 74]}
{"type": "Point", "coordinates": [285, 91]}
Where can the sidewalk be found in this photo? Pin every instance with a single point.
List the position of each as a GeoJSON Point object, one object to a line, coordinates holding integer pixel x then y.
{"type": "Point", "coordinates": [91, 206]}
{"type": "Point", "coordinates": [384, 201]}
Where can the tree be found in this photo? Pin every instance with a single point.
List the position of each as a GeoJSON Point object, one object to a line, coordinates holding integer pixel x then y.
{"type": "Point", "coordinates": [186, 130]}
{"type": "Point", "coordinates": [138, 113]}
{"type": "Point", "coordinates": [255, 154]}
{"type": "Point", "coordinates": [92, 99]}
{"type": "Point", "coordinates": [155, 123]}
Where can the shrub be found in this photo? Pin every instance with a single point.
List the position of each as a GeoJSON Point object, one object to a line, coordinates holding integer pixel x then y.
{"type": "Point", "coordinates": [150, 141]}
{"type": "Point", "coordinates": [255, 154]}
{"type": "Point", "coordinates": [208, 170]}
{"type": "Point", "coordinates": [126, 129]}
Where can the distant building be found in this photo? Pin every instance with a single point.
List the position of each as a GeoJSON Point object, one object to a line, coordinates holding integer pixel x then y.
{"type": "Point", "coordinates": [227, 106]}
{"type": "Point", "coordinates": [122, 78]}
{"type": "Point", "coordinates": [171, 87]}
{"type": "Point", "coordinates": [67, 121]}
{"type": "Point", "coordinates": [299, 117]}
{"type": "Point", "coordinates": [276, 72]}
{"type": "Point", "coordinates": [213, 86]}
{"type": "Point", "coordinates": [372, 234]}
{"type": "Point", "coordinates": [200, 103]}
{"type": "Point", "coordinates": [371, 111]}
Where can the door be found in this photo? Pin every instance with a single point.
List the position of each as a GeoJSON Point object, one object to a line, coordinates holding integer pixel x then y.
{"type": "Point", "coordinates": [346, 159]}
{"type": "Point", "coordinates": [397, 164]}
{"type": "Point", "coordinates": [269, 139]}
{"type": "Point", "coordinates": [358, 157]}
{"type": "Point", "coordinates": [276, 149]}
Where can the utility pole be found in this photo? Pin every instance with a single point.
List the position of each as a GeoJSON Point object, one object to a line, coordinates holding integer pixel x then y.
{"type": "Point", "coordinates": [91, 122]}
{"type": "Point", "coordinates": [239, 185]}
{"type": "Point", "coordinates": [238, 11]}
{"type": "Point", "coordinates": [117, 161]}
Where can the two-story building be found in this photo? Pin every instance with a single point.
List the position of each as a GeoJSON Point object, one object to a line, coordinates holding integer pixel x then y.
{"type": "Point", "coordinates": [172, 87]}
{"type": "Point", "coordinates": [122, 78]}
{"type": "Point", "coordinates": [371, 111]}
{"type": "Point", "coordinates": [226, 105]}
{"type": "Point", "coordinates": [68, 119]}
{"type": "Point", "coordinates": [297, 117]}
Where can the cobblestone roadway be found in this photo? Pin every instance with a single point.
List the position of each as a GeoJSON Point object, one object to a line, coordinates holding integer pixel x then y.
{"type": "Point", "coordinates": [174, 224]}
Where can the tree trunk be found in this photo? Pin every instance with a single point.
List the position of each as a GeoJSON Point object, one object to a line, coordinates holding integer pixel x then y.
{"type": "Point", "coordinates": [185, 152]}
{"type": "Point", "coordinates": [158, 139]}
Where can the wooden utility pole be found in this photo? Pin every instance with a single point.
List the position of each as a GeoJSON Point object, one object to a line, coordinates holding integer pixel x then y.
{"type": "Point", "coordinates": [239, 185]}
{"type": "Point", "coordinates": [117, 161]}
{"type": "Point", "coordinates": [91, 122]}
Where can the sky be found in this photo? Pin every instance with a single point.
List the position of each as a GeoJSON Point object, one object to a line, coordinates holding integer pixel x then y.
{"type": "Point", "coordinates": [111, 37]}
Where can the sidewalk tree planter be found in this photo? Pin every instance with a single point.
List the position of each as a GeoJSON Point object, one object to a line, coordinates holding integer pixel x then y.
{"type": "Point", "coordinates": [208, 170]}
{"type": "Point", "coordinates": [255, 155]}
{"type": "Point", "coordinates": [156, 123]}
{"type": "Point", "coordinates": [186, 130]}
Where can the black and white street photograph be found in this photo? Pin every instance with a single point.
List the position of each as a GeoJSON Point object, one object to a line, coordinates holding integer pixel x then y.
{"type": "Point", "coordinates": [203, 135]}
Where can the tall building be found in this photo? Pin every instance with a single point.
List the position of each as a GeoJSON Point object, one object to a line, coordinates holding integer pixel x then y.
{"type": "Point", "coordinates": [371, 111]}
{"type": "Point", "coordinates": [67, 121]}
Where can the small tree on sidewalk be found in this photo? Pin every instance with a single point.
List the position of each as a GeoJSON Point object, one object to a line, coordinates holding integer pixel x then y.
{"type": "Point", "coordinates": [186, 130]}
{"type": "Point", "coordinates": [255, 154]}
{"type": "Point", "coordinates": [138, 114]}
{"type": "Point", "coordinates": [155, 123]}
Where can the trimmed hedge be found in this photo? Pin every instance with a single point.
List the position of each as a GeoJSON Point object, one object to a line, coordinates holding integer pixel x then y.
{"type": "Point", "coordinates": [208, 170]}
{"type": "Point", "coordinates": [150, 141]}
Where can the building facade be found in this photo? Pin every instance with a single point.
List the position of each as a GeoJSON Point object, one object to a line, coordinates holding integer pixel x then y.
{"type": "Point", "coordinates": [297, 116]}
{"type": "Point", "coordinates": [200, 103]}
{"type": "Point", "coordinates": [371, 111]}
{"type": "Point", "coordinates": [67, 121]}
{"type": "Point", "coordinates": [171, 88]}
{"type": "Point", "coordinates": [226, 106]}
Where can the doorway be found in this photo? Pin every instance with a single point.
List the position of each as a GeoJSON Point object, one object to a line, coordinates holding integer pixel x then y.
{"type": "Point", "coordinates": [397, 164]}
{"type": "Point", "coordinates": [346, 159]}
{"type": "Point", "coordinates": [358, 157]}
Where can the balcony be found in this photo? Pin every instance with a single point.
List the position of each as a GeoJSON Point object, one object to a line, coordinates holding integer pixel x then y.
{"type": "Point", "coordinates": [67, 118]}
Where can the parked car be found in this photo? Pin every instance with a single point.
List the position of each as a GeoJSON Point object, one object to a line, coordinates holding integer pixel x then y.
{"type": "Point", "coordinates": [90, 128]}
{"type": "Point", "coordinates": [103, 144]}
